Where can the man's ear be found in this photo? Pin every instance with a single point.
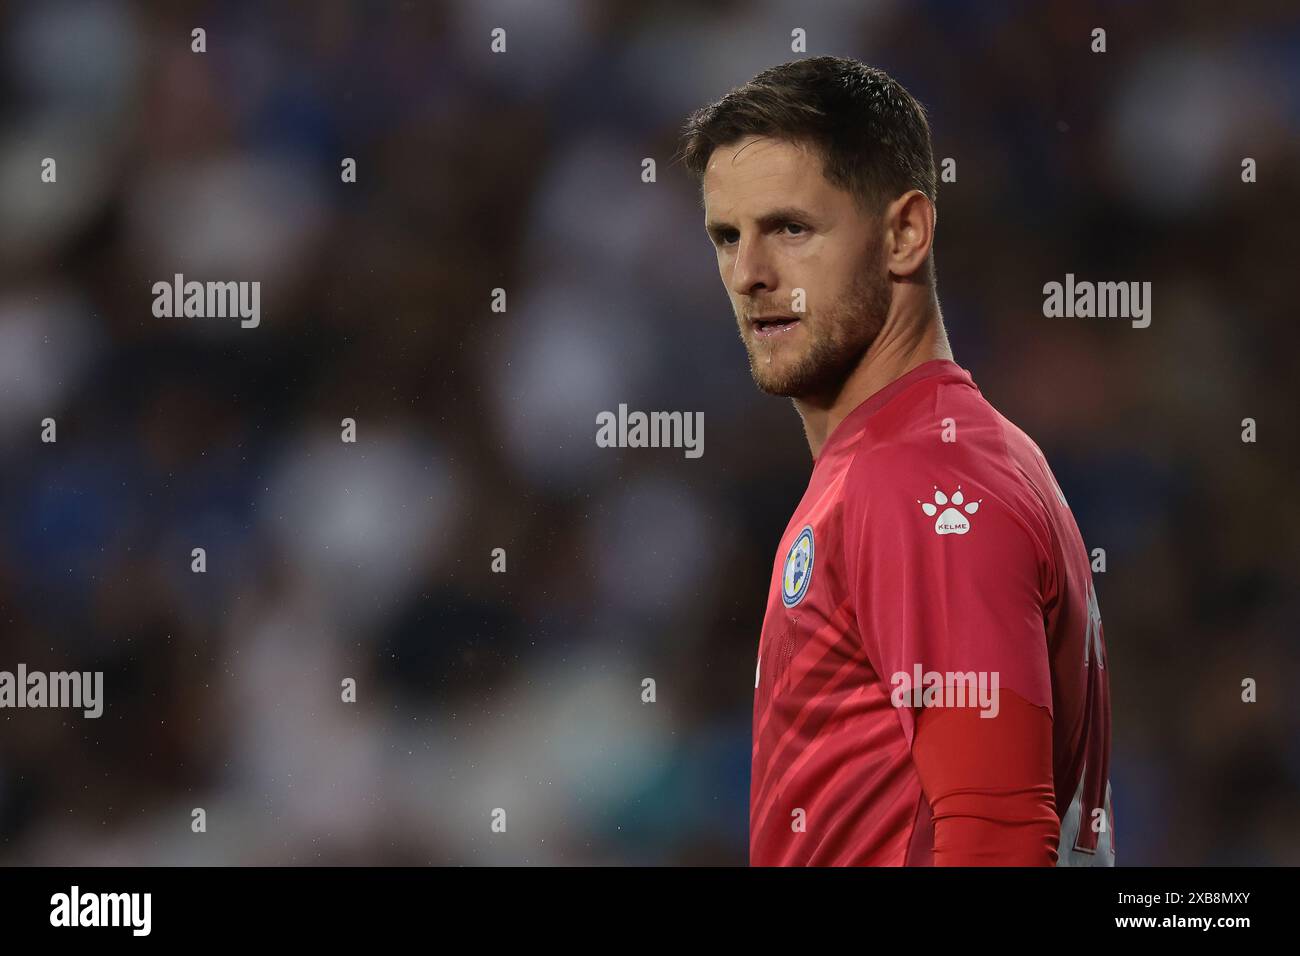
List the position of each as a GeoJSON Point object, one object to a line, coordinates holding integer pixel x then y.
{"type": "Point", "coordinates": [909, 234]}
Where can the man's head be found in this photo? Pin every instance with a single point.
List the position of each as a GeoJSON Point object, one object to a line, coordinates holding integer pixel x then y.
{"type": "Point", "coordinates": [817, 175]}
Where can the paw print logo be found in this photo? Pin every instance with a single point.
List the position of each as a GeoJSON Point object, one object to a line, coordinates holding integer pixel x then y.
{"type": "Point", "coordinates": [952, 520]}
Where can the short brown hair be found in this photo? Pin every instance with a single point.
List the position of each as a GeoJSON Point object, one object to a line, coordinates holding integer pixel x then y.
{"type": "Point", "coordinates": [872, 135]}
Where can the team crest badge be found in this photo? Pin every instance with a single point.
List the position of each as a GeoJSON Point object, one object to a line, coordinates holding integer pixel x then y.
{"type": "Point", "coordinates": [798, 569]}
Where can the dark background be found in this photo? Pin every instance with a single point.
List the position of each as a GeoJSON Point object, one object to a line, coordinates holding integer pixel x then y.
{"type": "Point", "coordinates": [476, 429]}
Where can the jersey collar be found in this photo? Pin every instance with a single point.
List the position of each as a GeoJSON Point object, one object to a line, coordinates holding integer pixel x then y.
{"type": "Point", "coordinates": [853, 423]}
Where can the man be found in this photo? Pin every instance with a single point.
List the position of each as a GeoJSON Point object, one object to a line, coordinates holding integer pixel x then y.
{"type": "Point", "coordinates": [931, 684]}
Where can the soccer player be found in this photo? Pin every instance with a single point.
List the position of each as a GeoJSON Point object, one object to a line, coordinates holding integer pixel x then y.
{"type": "Point", "coordinates": [931, 684]}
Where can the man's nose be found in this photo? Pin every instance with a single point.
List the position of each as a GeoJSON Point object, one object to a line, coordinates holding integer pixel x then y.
{"type": "Point", "coordinates": [753, 269]}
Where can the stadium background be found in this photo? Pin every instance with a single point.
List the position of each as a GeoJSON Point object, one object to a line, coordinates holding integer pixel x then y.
{"type": "Point", "coordinates": [476, 429]}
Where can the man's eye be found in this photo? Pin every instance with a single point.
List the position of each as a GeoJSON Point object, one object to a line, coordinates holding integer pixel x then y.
{"type": "Point", "coordinates": [795, 225]}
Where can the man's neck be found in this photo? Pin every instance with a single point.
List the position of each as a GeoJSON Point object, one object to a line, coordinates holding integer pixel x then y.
{"type": "Point", "coordinates": [904, 343]}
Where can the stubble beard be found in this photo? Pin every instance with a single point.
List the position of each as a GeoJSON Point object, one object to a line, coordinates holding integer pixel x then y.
{"type": "Point", "coordinates": [838, 336]}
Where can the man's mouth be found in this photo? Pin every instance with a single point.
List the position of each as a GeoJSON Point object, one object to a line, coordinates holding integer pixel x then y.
{"type": "Point", "coordinates": [773, 325]}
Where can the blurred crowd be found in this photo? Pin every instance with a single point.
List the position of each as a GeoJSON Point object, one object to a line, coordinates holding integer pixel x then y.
{"type": "Point", "coordinates": [521, 171]}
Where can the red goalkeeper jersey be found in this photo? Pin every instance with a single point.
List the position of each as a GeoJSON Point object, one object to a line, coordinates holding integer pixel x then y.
{"type": "Point", "coordinates": [931, 684]}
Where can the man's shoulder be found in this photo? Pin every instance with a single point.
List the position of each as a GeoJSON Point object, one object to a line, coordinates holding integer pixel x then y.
{"type": "Point", "coordinates": [947, 424]}
{"type": "Point", "coordinates": [944, 442]}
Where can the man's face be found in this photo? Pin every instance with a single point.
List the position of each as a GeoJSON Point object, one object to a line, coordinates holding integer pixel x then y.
{"type": "Point", "coordinates": [779, 226]}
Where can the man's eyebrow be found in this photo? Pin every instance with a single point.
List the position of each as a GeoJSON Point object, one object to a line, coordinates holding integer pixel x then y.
{"type": "Point", "coordinates": [773, 218]}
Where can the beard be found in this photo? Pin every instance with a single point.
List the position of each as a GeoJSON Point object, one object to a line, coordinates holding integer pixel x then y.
{"type": "Point", "coordinates": [834, 340]}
